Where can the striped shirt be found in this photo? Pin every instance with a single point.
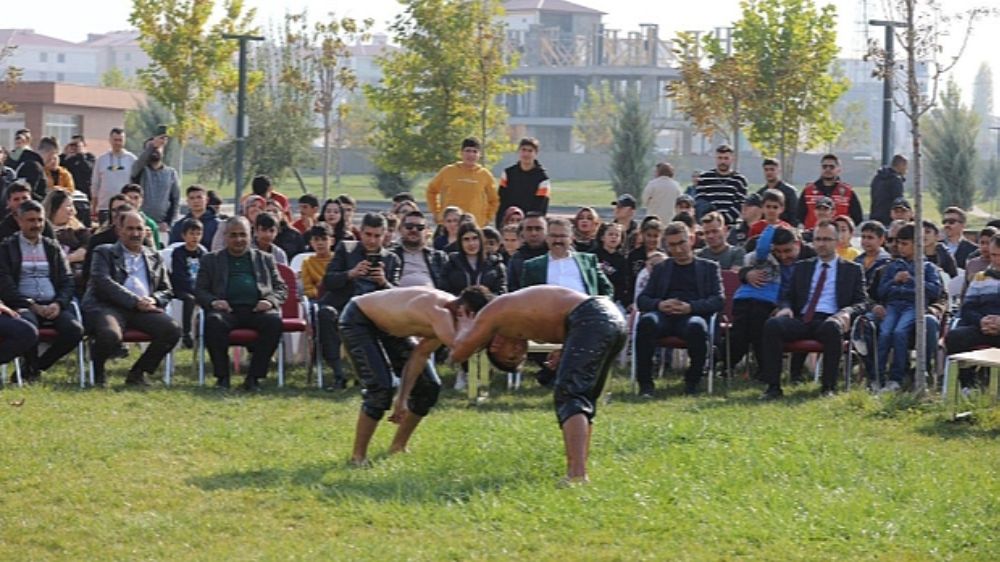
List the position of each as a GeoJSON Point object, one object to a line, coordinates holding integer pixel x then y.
{"type": "Point", "coordinates": [725, 192]}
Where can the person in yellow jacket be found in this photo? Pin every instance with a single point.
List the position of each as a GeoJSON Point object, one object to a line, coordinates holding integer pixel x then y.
{"type": "Point", "coordinates": [465, 185]}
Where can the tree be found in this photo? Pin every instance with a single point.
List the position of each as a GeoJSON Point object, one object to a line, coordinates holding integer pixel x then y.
{"type": "Point", "coordinates": [791, 46]}
{"type": "Point", "coordinates": [190, 61]}
{"type": "Point", "coordinates": [141, 123]}
{"type": "Point", "coordinates": [9, 76]}
{"type": "Point", "coordinates": [714, 86]}
{"type": "Point", "coordinates": [982, 105]}
{"type": "Point", "coordinates": [950, 144]}
{"type": "Point", "coordinates": [444, 84]}
{"type": "Point", "coordinates": [115, 78]}
{"type": "Point", "coordinates": [920, 38]}
{"type": "Point", "coordinates": [631, 148]}
{"type": "Point", "coordinates": [990, 180]}
{"type": "Point", "coordinates": [856, 133]}
{"type": "Point", "coordinates": [595, 120]}
{"type": "Point", "coordinates": [325, 75]}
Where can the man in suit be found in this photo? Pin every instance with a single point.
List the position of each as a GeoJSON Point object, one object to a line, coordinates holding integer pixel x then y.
{"type": "Point", "coordinates": [128, 288]}
{"type": "Point", "coordinates": [35, 280]}
{"type": "Point", "coordinates": [561, 266]}
{"type": "Point", "coordinates": [240, 287]}
{"type": "Point", "coordinates": [366, 268]}
{"type": "Point", "coordinates": [824, 295]}
{"type": "Point", "coordinates": [682, 294]}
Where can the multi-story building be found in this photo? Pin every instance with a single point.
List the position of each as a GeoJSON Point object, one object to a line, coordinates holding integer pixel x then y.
{"type": "Point", "coordinates": [119, 50]}
{"type": "Point", "coordinates": [47, 59]}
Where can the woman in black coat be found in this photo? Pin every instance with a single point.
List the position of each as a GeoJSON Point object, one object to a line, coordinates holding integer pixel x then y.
{"type": "Point", "coordinates": [471, 265]}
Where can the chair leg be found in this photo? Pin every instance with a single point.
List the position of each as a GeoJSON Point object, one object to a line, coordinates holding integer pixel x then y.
{"type": "Point", "coordinates": [281, 361]}
{"type": "Point", "coordinates": [17, 372]}
{"type": "Point", "coordinates": [80, 368]}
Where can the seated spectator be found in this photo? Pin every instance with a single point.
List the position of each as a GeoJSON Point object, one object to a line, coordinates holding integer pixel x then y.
{"type": "Point", "coordinates": [133, 192]}
{"type": "Point", "coordinates": [979, 316]}
{"type": "Point", "coordinates": [897, 294]}
{"type": "Point", "coordinates": [901, 210]}
{"type": "Point", "coordinates": [185, 261]}
{"type": "Point", "coordinates": [613, 262]}
{"type": "Point", "coordinates": [419, 266]}
{"type": "Point", "coordinates": [682, 294]}
{"type": "Point", "coordinates": [532, 233]}
{"type": "Point", "coordinates": [492, 245]}
{"type": "Point", "coordinates": [585, 226]}
{"type": "Point", "coordinates": [873, 255]}
{"type": "Point", "coordinates": [980, 260]}
{"type": "Point", "coordinates": [446, 238]}
{"type": "Point", "coordinates": [845, 232]}
{"type": "Point", "coordinates": [562, 266]}
{"type": "Point", "coordinates": [253, 205]}
{"type": "Point", "coordinates": [17, 193]}
{"type": "Point", "coordinates": [36, 280]}
{"type": "Point", "coordinates": [349, 205]}
{"type": "Point", "coordinates": [198, 208]}
{"type": "Point", "coordinates": [391, 237]}
{"type": "Point", "coordinates": [314, 267]}
{"type": "Point", "coordinates": [624, 209]}
{"type": "Point", "coordinates": [936, 252]}
{"type": "Point", "coordinates": [286, 237]}
{"type": "Point", "coordinates": [332, 215]}
{"type": "Point", "coordinates": [717, 249]}
{"type": "Point", "coordinates": [751, 212]}
{"type": "Point", "coordinates": [128, 289]}
{"type": "Point", "coordinates": [513, 215]}
{"type": "Point", "coordinates": [684, 204]}
{"type": "Point", "coordinates": [773, 208]}
{"type": "Point", "coordinates": [823, 210]}
{"type": "Point", "coordinates": [954, 240]}
{"type": "Point", "coordinates": [642, 279]}
{"type": "Point", "coordinates": [55, 175]}
{"type": "Point", "coordinates": [239, 287]}
{"type": "Point", "coordinates": [650, 232]}
{"type": "Point", "coordinates": [308, 213]}
{"type": "Point", "coordinates": [265, 230]}
{"type": "Point", "coordinates": [511, 241]}
{"type": "Point", "coordinates": [215, 203]}
{"type": "Point", "coordinates": [71, 234]}
{"type": "Point", "coordinates": [108, 234]}
{"type": "Point", "coordinates": [472, 266]}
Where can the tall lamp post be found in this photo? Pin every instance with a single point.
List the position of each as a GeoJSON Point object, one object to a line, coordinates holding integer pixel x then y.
{"type": "Point", "coordinates": [887, 85]}
{"type": "Point", "coordinates": [241, 102]}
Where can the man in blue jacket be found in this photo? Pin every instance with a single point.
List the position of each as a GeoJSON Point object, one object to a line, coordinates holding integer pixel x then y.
{"type": "Point", "coordinates": [682, 294]}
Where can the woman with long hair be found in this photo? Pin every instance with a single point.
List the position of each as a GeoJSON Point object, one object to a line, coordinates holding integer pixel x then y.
{"type": "Point", "coordinates": [611, 259]}
{"type": "Point", "coordinates": [71, 234]}
{"type": "Point", "coordinates": [447, 234]}
{"type": "Point", "coordinates": [585, 226]}
{"type": "Point", "coordinates": [332, 214]}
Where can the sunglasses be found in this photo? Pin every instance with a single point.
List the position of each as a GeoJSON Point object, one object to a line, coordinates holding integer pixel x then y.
{"type": "Point", "coordinates": [410, 226]}
{"type": "Point", "coordinates": [950, 221]}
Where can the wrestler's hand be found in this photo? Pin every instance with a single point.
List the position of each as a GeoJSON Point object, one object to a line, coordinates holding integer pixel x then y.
{"type": "Point", "coordinates": [552, 361]}
{"type": "Point", "coordinates": [399, 411]}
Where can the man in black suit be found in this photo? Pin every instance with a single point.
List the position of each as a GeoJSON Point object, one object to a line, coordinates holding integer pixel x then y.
{"type": "Point", "coordinates": [825, 293]}
{"type": "Point", "coordinates": [682, 294]}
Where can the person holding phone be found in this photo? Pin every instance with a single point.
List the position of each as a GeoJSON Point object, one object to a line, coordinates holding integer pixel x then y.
{"type": "Point", "coordinates": [159, 182]}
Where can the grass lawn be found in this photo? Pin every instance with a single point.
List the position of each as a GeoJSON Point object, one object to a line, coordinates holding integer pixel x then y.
{"type": "Point", "coordinates": [191, 473]}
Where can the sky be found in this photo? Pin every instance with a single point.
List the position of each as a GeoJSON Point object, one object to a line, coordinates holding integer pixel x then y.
{"type": "Point", "coordinates": [672, 16]}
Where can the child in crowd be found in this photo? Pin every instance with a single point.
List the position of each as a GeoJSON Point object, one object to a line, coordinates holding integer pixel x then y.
{"type": "Point", "coordinates": [511, 240]}
{"type": "Point", "coordinates": [772, 206]}
{"type": "Point", "coordinates": [264, 233]}
{"type": "Point", "coordinates": [184, 262]}
{"type": "Point", "coordinates": [314, 267]}
{"type": "Point", "coordinates": [845, 232]}
{"type": "Point", "coordinates": [873, 255]}
{"type": "Point", "coordinates": [491, 242]}
{"type": "Point", "coordinates": [308, 211]}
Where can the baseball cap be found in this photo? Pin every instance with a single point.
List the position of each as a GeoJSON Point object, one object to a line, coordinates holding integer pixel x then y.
{"type": "Point", "coordinates": [824, 202]}
{"type": "Point", "coordinates": [685, 199]}
{"type": "Point", "coordinates": [625, 200]}
{"type": "Point", "coordinates": [753, 200]}
{"type": "Point", "coordinates": [901, 202]}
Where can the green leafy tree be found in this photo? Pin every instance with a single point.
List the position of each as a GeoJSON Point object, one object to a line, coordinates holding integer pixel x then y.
{"type": "Point", "coordinates": [982, 105]}
{"type": "Point", "coordinates": [325, 74]}
{"type": "Point", "coordinates": [990, 181]}
{"type": "Point", "coordinates": [141, 123]}
{"type": "Point", "coordinates": [115, 78]}
{"type": "Point", "coordinates": [190, 61]}
{"type": "Point", "coordinates": [631, 148]}
{"type": "Point", "coordinates": [595, 120]}
{"type": "Point", "coordinates": [9, 76]}
{"type": "Point", "coordinates": [950, 146]}
{"type": "Point", "coordinates": [856, 133]}
{"type": "Point", "coordinates": [791, 45]}
{"type": "Point", "coordinates": [444, 84]}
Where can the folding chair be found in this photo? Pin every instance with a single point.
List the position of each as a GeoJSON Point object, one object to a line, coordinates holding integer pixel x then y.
{"type": "Point", "coordinates": [730, 283]}
{"type": "Point", "coordinates": [131, 335]}
{"type": "Point", "coordinates": [815, 346]}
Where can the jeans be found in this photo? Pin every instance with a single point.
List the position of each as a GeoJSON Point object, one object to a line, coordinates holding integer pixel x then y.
{"type": "Point", "coordinates": [894, 335]}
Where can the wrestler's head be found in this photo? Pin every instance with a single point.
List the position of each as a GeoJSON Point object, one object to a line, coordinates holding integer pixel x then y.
{"type": "Point", "coordinates": [471, 300]}
{"type": "Point", "coordinates": [507, 354]}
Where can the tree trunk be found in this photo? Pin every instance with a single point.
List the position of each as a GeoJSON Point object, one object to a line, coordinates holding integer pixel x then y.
{"type": "Point", "coordinates": [920, 369]}
{"type": "Point", "coordinates": [180, 161]}
{"type": "Point", "coordinates": [326, 154]}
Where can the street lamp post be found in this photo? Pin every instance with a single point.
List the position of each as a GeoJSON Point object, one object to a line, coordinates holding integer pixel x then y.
{"type": "Point", "coordinates": [241, 101]}
{"type": "Point", "coordinates": [887, 85]}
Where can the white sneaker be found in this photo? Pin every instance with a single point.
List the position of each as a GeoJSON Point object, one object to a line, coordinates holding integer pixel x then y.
{"type": "Point", "coordinates": [461, 381]}
{"type": "Point", "coordinates": [966, 392]}
{"type": "Point", "coordinates": [891, 386]}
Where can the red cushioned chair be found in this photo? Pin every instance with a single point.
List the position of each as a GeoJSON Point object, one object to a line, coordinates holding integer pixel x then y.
{"type": "Point", "coordinates": [138, 336]}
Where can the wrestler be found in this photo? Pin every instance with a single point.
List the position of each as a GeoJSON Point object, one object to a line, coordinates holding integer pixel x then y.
{"type": "Point", "coordinates": [592, 332]}
{"type": "Point", "coordinates": [377, 329]}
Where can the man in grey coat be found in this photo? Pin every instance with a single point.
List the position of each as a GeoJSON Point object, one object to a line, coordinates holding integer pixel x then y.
{"type": "Point", "coordinates": [160, 186]}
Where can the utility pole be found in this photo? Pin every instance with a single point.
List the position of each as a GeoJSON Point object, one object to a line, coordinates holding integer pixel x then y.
{"type": "Point", "coordinates": [997, 129]}
{"type": "Point", "coordinates": [887, 85]}
{"type": "Point", "coordinates": [241, 125]}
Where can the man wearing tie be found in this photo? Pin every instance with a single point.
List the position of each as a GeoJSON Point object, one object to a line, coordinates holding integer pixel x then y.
{"type": "Point", "coordinates": [824, 294]}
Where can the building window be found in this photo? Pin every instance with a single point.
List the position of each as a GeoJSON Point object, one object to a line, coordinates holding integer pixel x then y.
{"type": "Point", "coordinates": [43, 57]}
{"type": "Point", "coordinates": [128, 57]}
{"type": "Point", "coordinates": [61, 58]}
{"type": "Point", "coordinates": [8, 125]}
{"type": "Point", "coordinates": [60, 77]}
{"type": "Point", "coordinates": [62, 126]}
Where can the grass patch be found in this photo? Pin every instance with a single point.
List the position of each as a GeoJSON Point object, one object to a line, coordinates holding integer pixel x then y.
{"type": "Point", "coordinates": [192, 473]}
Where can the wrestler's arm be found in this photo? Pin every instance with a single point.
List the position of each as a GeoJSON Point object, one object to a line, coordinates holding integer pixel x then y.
{"type": "Point", "coordinates": [443, 323]}
{"type": "Point", "coordinates": [411, 371]}
{"type": "Point", "coordinates": [473, 334]}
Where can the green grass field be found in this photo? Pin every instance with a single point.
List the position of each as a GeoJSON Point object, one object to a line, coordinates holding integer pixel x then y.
{"type": "Point", "coordinates": [197, 474]}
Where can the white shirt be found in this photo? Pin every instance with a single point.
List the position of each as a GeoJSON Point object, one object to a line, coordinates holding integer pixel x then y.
{"type": "Point", "coordinates": [111, 173]}
{"type": "Point", "coordinates": [138, 278]}
{"type": "Point", "coordinates": [659, 197]}
{"type": "Point", "coordinates": [565, 273]}
{"type": "Point", "coordinates": [828, 298]}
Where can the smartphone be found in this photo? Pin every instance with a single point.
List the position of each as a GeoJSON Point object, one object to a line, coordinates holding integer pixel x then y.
{"type": "Point", "coordinates": [374, 260]}
{"type": "Point", "coordinates": [162, 130]}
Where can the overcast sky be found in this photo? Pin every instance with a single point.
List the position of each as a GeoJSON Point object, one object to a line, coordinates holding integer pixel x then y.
{"type": "Point", "coordinates": [72, 20]}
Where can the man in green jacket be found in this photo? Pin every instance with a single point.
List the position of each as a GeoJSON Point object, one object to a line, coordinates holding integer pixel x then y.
{"type": "Point", "coordinates": [563, 267]}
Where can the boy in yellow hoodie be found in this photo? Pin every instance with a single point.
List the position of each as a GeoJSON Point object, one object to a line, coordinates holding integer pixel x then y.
{"type": "Point", "coordinates": [465, 185]}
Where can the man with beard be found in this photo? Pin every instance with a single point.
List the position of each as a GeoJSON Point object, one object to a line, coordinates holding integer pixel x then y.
{"type": "Point", "coordinates": [829, 185]}
{"type": "Point", "coordinates": [79, 163]}
{"type": "Point", "coordinates": [532, 232]}
{"type": "Point", "coordinates": [773, 181]}
{"type": "Point", "coordinates": [722, 189]}
{"type": "Point", "coordinates": [162, 193]}
{"type": "Point", "coordinates": [420, 266]}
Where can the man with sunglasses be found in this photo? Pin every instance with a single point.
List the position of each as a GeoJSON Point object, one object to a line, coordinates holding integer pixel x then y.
{"type": "Point", "coordinates": [420, 266]}
{"type": "Point", "coordinates": [829, 184]}
{"type": "Point", "coordinates": [954, 236]}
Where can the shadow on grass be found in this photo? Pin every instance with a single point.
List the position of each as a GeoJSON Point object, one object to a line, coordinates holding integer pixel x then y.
{"type": "Point", "coordinates": [336, 480]}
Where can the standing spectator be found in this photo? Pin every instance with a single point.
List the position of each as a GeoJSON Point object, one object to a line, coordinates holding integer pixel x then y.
{"type": "Point", "coordinates": [585, 226]}
{"type": "Point", "coordinates": [513, 215]}
{"type": "Point", "coordinates": [185, 261]}
{"type": "Point", "coordinates": [683, 204]}
{"type": "Point", "coordinates": [239, 287]}
{"type": "Point", "coordinates": [466, 185]}
{"type": "Point", "coordinates": [7, 175]}
{"type": "Point", "coordinates": [36, 280]}
{"type": "Point", "coordinates": [197, 202]}
{"type": "Point", "coordinates": [263, 186]}
{"type": "Point", "coordinates": [823, 209]}
{"type": "Point", "coordinates": [887, 187]}
{"type": "Point", "coordinates": [716, 248]}
{"type": "Point", "coordinates": [954, 236]}
{"type": "Point", "coordinates": [79, 163]}
{"type": "Point", "coordinates": [133, 192]}
{"type": "Point", "coordinates": [613, 262]}
{"type": "Point", "coordinates": [128, 288]}
{"type": "Point", "coordinates": [112, 171]}
{"type": "Point", "coordinates": [625, 217]}
{"type": "Point", "coordinates": [27, 163]}
{"type": "Point", "coordinates": [723, 188]}
{"type": "Point", "coordinates": [979, 317]}
{"type": "Point", "coordinates": [308, 213]}
{"type": "Point", "coordinates": [751, 213]}
{"type": "Point", "coordinates": [683, 292]}
{"type": "Point", "coordinates": [55, 175]}
{"type": "Point", "coordinates": [936, 252]}
{"type": "Point", "coordinates": [524, 185]}
{"type": "Point", "coordinates": [901, 210]}
{"type": "Point", "coordinates": [829, 184]}
{"type": "Point", "coordinates": [661, 193]}
{"type": "Point", "coordinates": [773, 182]}
{"type": "Point", "coordinates": [161, 191]}
{"type": "Point", "coordinates": [418, 264]}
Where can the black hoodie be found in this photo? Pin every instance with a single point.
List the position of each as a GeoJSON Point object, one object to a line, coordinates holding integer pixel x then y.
{"type": "Point", "coordinates": [887, 186]}
{"type": "Point", "coordinates": [527, 190]}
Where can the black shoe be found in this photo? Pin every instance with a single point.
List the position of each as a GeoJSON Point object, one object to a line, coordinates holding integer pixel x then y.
{"type": "Point", "coordinates": [222, 382]}
{"type": "Point", "coordinates": [773, 392]}
{"type": "Point", "coordinates": [646, 391]}
{"type": "Point", "coordinates": [250, 383]}
{"type": "Point", "coordinates": [29, 374]}
{"type": "Point", "coordinates": [186, 341]}
{"type": "Point", "coordinates": [137, 378]}
{"type": "Point", "coordinates": [827, 391]}
{"type": "Point", "coordinates": [545, 378]}
{"type": "Point", "coordinates": [121, 353]}
{"type": "Point", "coordinates": [99, 380]}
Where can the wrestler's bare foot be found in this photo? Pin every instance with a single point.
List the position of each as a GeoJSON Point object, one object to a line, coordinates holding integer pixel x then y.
{"type": "Point", "coordinates": [573, 482]}
{"type": "Point", "coordinates": [359, 462]}
{"type": "Point", "coordinates": [394, 450]}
